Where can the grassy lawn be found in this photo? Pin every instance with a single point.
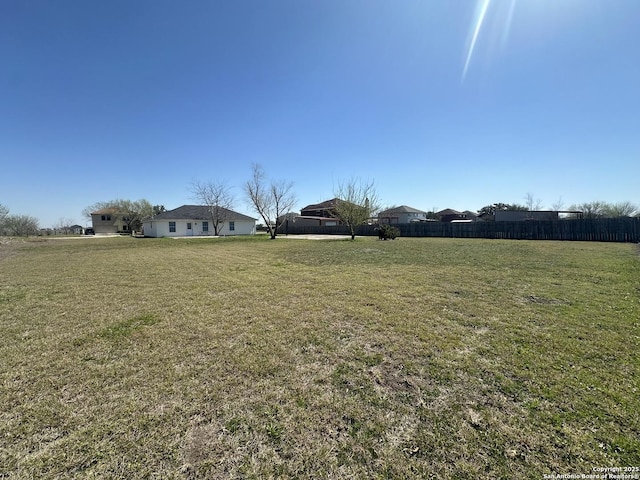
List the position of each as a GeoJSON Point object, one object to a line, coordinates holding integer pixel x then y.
{"type": "Point", "coordinates": [250, 358]}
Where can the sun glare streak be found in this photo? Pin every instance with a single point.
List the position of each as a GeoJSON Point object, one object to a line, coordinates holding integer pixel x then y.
{"type": "Point", "coordinates": [507, 27]}
{"type": "Point", "coordinates": [476, 31]}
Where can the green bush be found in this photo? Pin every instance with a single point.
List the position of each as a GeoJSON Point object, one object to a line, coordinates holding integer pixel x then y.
{"type": "Point", "coordinates": [387, 232]}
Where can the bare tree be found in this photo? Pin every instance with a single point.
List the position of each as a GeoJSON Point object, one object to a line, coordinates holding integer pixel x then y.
{"type": "Point", "coordinates": [620, 209]}
{"type": "Point", "coordinates": [158, 209]}
{"type": "Point", "coordinates": [269, 199]}
{"type": "Point", "coordinates": [134, 212]}
{"type": "Point", "coordinates": [594, 209]}
{"type": "Point", "coordinates": [356, 203]}
{"type": "Point", "coordinates": [218, 199]}
{"type": "Point", "coordinates": [21, 225]}
{"type": "Point", "coordinates": [558, 205]}
{"type": "Point", "coordinates": [532, 203]}
{"type": "Point", "coordinates": [4, 212]}
{"type": "Point", "coordinates": [64, 225]}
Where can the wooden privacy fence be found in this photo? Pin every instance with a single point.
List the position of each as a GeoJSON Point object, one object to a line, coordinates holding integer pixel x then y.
{"type": "Point", "coordinates": [596, 230]}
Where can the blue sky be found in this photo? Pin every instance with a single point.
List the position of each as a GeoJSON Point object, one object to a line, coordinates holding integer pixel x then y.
{"type": "Point", "coordinates": [442, 103]}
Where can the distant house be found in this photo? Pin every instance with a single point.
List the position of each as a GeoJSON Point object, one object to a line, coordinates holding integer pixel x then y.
{"type": "Point", "coordinates": [473, 216]}
{"type": "Point", "coordinates": [525, 215]}
{"type": "Point", "coordinates": [326, 209]}
{"type": "Point", "coordinates": [292, 218]}
{"type": "Point", "coordinates": [306, 221]}
{"type": "Point", "coordinates": [195, 220]}
{"type": "Point", "coordinates": [323, 213]}
{"type": "Point", "coordinates": [108, 220]}
{"type": "Point", "coordinates": [449, 215]}
{"type": "Point", "coordinates": [76, 229]}
{"type": "Point", "coordinates": [402, 214]}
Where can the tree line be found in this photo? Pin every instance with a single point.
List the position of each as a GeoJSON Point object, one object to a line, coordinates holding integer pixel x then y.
{"type": "Point", "coordinates": [17, 225]}
{"type": "Point", "coordinates": [357, 202]}
{"type": "Point", "coordinates": [590, 210]}
{"type": "Point", "coordinates": [599, 209]}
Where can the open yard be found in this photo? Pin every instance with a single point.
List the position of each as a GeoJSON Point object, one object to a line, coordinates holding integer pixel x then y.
{"type": "Point", "coordinates": [249, 358]}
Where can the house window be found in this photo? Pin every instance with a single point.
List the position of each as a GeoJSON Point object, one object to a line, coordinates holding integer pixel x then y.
{"type": "Point", "coordinates": [188, 225]}
{"type": "Point", "coordinates": [125, 228]}
{"type": "Point", "coordinates": [172, 226]}
{"type": "Point", "coordinates": [205, 226]}
{"type": "Point", "coordinates": [232, 226]}
{"type": "Point", "coordinates": [105, 218]}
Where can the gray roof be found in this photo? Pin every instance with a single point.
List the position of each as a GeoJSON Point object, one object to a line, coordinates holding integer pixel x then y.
{"type": "Point", "coordinates": [401, 209]}
{"type": "Point", "coordinates": [327, 204]}
{"type": "Point", "coordinates": [448, 211]}
{"type": "Point", "coordinates": [198, 212]}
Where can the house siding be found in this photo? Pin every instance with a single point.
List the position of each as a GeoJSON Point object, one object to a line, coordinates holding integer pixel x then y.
{"type": "Point", "coordinates": [113, 225]}
{"type": "Point", "coordinates": [195, 216]}
{"type": "Point", "coordinates": [160, 228]}
{"type": "Point", "coordinates": [403, 218]}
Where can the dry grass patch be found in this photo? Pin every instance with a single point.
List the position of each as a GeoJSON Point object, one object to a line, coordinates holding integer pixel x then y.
{"type": "Point", "coordinates": [249, 358]}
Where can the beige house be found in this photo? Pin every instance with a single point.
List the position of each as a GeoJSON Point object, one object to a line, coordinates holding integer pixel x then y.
{"type": "Point", "coordinates": [108, 220]}
{"type": "Point", "coordinates": [402, 214]}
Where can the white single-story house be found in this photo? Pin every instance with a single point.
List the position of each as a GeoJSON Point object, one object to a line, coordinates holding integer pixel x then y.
{"type": "Point", "coordinates": [197, 220]}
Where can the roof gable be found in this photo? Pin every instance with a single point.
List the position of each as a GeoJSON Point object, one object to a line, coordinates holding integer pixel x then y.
{"type": "Point", "coordinates": [401, 209]}
{"type": "Point", "coordinates": [327, 204]}
{"type": "Point", "coordinates": [448, 211]}
{"type": "Point", "coordinates": [199, 212]}
{"type": "Point", "coordinates": [106, 211]}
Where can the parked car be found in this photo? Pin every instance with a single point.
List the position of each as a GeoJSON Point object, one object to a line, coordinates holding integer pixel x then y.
{"type": "Point", "coordinates": [89, 231]}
